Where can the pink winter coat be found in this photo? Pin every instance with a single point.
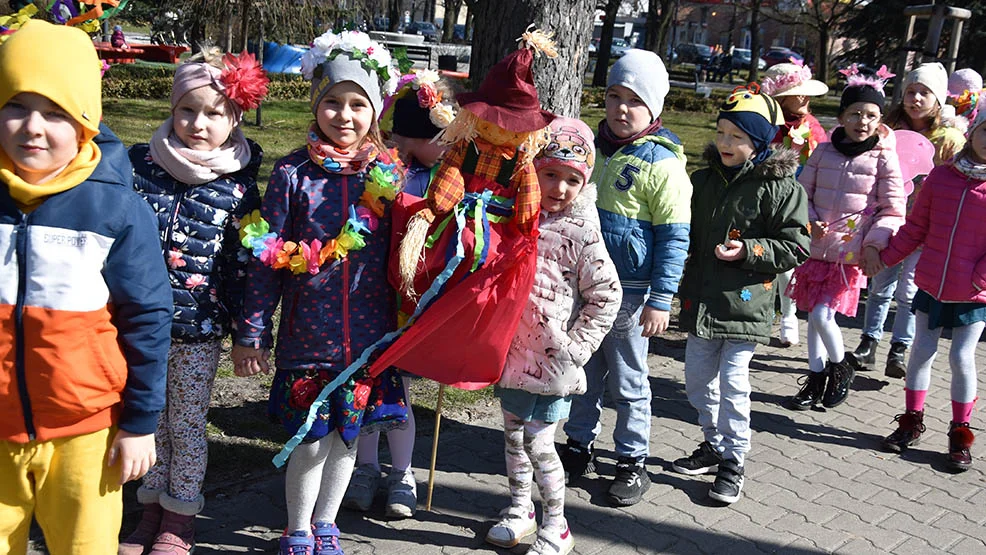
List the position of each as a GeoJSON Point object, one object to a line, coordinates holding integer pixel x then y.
{"type": "Point", "coordinates": [947, 219]}
{"type": "Point", "coordinates": [867, 190]}
{"type": "Point", "coordinates": [573, 303]}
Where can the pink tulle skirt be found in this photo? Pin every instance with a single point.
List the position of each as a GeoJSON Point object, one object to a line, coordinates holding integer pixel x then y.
{"type": "Point", "coordinates": [835, 285]}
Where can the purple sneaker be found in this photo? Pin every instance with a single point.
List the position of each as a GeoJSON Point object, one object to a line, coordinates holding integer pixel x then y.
{"type": "Point", "coordinates": [326, 539]}
{"type": "Point", "coordinates": [297, 543]}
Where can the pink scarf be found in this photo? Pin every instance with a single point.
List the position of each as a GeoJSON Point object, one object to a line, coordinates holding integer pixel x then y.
{"type": "Point", "coordinates": [195, 167]}
{"type": "Point", "coordinates": [335, 160]}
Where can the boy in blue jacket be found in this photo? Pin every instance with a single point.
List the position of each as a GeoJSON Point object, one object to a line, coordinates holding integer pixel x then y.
{"type": "Point", "coordinates": [644, 210]}
{"type": "Point", "coordinates": [85, 307]}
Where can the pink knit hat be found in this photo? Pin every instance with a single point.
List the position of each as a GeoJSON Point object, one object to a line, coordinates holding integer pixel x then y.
{"type": "Point", "coordinates": [571, 145]}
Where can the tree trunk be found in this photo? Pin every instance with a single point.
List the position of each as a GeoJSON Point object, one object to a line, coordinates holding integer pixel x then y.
{"type": "Point", "coordinates": [395, 14]}
{"type": "Point", "coordinates": [822, 63]}
{"type": "Point", "coordinates": [228, 32]}
{"type": "Point", "coordinates": [660, 14]}
{"type": "Point", "coordinates": [452, 8]}
{"type": "Point", "coordinates": [245, 23]}
{"type": "Point", "coordinates": [754, 41]}
{"type": "Point", "coordinates": [605, 43]}
{"type": "Point", "coordinates": [559, 80]}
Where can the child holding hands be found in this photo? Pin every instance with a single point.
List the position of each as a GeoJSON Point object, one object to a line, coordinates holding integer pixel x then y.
{"type": "Point", "coordinates": [573, 303]}
{"type": "Point", "coordinates": [749, 224]}
{"type": "Point", "coordinates": [321, 242]}
{"type": "Point", "coordinates": [199, 174]}
{"type": "Point", "coordinates": [951, 277]}
{"type": "Point", "coordinates": [855, 203]}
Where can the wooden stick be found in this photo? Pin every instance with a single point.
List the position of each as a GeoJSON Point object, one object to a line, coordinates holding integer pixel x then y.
{"type": "Point", "coordinates": [434, 444]}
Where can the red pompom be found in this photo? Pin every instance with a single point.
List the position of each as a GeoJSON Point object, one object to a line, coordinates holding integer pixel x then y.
{"type": "Point", "coordinates": [244, 79]}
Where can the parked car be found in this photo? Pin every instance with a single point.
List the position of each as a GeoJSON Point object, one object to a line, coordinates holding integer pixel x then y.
{"type": "Point", "coordinates": [699, 54]}
{"type": "Point", "coordinates": [618, 48]}
{"type": "Point", "coordinates": [424, 28]}
{"type": "Point", "coordinates": [741, 59]}
{"type": "Point", "coordinates": [777, 55]}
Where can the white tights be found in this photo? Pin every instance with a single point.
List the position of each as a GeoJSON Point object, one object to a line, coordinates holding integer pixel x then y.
{"type": "Point", "coordinates": [317, 477]}
{"type": "Point", "coordinates": [824, 337]}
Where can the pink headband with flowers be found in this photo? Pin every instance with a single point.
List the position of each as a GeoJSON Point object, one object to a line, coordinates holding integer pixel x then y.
{"type": "Point", "coordinates": [241, 79]}
{"type": "Point", "coordinates": [781, 83]}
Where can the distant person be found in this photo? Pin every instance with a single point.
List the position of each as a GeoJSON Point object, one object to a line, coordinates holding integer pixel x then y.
{"type": "Point", "coordinates": [118, 39]}
{"type": "Point", "coordinates": [86, 306]}
{"type": "Point", "coordinates": [198, 173]}
{"type": "Point", "coordinates": [855, 203]}
{"type": "Point", "coordinates": [644, 209]}
{"type": "Point", "coordinates": [792, 86]}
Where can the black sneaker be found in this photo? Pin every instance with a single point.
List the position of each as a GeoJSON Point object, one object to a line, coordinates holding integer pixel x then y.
{"type": "Point", "coordinates": [577, 460]}
{"type": "Point", "coordinates": [630, 483]}
{"type": "Point", "coordinates": [729, 482]}
{"type": "Point", "coordinates": [703, 460]}
{"type": "Point", "coordinates": [840, 379]}
{"type": "Point", "coordinates": [896, 361]}
{"type": "Point", "coordinates": [812, 389]}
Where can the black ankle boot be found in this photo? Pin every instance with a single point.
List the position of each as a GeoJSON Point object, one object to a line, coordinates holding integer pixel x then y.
{"type": "Point", "coordinates": [812, 389]}
{"type": "Point", "coordinates": [840, 378]}
{"type": "Point", "coordinates": [896, 365]}
{"type": "Point", "coordinates": [866, 351]}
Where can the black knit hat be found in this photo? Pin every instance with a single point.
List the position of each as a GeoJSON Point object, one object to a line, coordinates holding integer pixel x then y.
{"type": "Point", "coordinates": [861, 93]}
{"type": "Point", "coordinates": [411, 120]}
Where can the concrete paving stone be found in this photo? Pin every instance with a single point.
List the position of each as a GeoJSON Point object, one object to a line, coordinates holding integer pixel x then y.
{"type": "Point", "coordinates": [803, 489]}
{"type": "Point", "coordinates": [897, 484]}
{"type": "Point", "coordinates": [821, 537]}
{"type": "Point", "coordinates": [918, 510]}
{"type": "Point", "coordinates": [960, 523]}
{"type": "Point", "coordinates": [770, 458]}
{"type": "Point", "coordinates": [847, 470]}
{"type": "Point", "coordinates": [811, 511]}
{"type": "Point", "coordinates": [757, 512]}
{"type": "Point", "coordinates": [761, 492]}
{"type": "Point", "coordinates": [865, 511]}
{"type": "Point", "coordinates": [944, 499]}
{"type": "Point", "coordinates": [942, 538]}
{"type": "Point", "coordinates": [917, 546]}
{"type": "Point", "coordinates": [970, 546]}
{"type": "Point", "coordinates": [860, 546]}
{"type": "Point", "coordinates": [881, 538]}
{"type": "Point", "coordinates": [756, 532]}
{"type": "Point", "coordinates": [859, 490]}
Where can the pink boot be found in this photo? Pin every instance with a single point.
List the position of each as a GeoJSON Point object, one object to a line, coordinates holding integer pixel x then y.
{"type": "Point", "coordinates": [177, 533]}
{"type": "Point", "coordinates": [150, 521]}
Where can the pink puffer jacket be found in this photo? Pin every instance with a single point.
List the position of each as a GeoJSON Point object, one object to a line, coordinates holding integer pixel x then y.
{"type": "Point", "coordinates": [861, 198]}
{"type": "Point", "coordinates": [947, 219]}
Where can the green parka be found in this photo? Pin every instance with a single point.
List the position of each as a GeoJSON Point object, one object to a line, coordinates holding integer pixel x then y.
{"type": "Point", "coordinates": [766, 209]}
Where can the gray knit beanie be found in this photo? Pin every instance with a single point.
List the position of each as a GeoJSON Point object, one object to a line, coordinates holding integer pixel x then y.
{"type": "Point", "coordinates": [344, 68]}
{"type": "Point", "coordinates": [643, 72]}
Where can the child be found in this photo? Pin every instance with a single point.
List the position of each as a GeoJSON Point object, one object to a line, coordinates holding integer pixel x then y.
{"type": "Point", "coordinates": [921, 109]}
{"type": "Point", "coordinates": [947, 220]}
{"type": "Point", "coordinates": [749, 223]}
{"type": "Point", "coordinates": [85, 312]}
{"type": "Point", "coordinates": [573, 304]}
{"type": "Point", "coordinates": [856, 200]}
{"type": "Point", "coordinates": [336, 299]}
{"type": "Point", "coordinates": [644, 196]}
{"type": "Point", "coordinates": [118, 39]}
{"type": "Point", "coordinates": [417, 115]}
{"type": "Point", "coordinates": [792, 86]}
{"type": "Point", "coordinates": [198, 172]}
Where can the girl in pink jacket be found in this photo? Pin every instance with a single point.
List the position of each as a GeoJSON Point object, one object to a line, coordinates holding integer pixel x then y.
{"type": "Point", "coordinates": [951, 277]}
{"type": "Point", "coordinates": [855, 203]}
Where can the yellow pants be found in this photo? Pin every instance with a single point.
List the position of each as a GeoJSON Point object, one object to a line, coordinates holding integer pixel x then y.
{"type": "Point", "coordinates": [67, 486]}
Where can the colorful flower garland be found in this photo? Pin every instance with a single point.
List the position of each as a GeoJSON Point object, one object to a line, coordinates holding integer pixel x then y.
{"type": "Point", "coordinates": [382, 183]}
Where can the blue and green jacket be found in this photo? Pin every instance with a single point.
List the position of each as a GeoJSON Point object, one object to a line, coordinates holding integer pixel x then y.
{"type": "Point", "coordinates": [645, 213]}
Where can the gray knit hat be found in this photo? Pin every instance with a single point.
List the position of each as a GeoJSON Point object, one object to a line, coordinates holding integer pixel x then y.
{"type": "Point", "coordinates": [643, 72]}
{"type": "Point", "coordinates": [344, 68]}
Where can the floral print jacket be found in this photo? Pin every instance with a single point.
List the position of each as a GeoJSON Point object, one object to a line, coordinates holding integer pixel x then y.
{"type": "Point", "coordinates": [199, 231]}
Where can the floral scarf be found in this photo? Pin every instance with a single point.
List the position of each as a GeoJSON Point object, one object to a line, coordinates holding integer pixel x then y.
{"type": "Point", "coordinates": [336, 160]}
{"type": "Point", "coordinates": [971, 169]}
{"type": "Point", "coordinates": [195, 167]}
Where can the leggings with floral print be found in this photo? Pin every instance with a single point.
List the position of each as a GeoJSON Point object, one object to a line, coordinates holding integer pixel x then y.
{"type": "Point", "coordinates": [182, 451]}
{"type": "Point", "coordinates": [530, 450]}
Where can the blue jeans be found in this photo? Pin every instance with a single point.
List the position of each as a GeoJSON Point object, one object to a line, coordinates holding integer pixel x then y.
{"type": "Point", "coordinates": [882, 288]}
{"type": "Point", "coordinates": [717, 382]}
{"type": "Point", "coordinates": [621, 365]}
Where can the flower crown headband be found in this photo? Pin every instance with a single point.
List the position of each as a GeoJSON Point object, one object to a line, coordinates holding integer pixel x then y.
{"type": "Point", "coordinates": [855, 78]}
{"type": "Point", "coordinates": [372, 55]}
{"type": "Point", "coordinates": [783, 82]}
{"type": "Point", "coordinates": [423, 83]}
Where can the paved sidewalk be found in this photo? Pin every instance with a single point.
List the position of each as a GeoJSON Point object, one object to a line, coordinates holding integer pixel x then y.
{"type": "Point", "coordinates": [816, 482]}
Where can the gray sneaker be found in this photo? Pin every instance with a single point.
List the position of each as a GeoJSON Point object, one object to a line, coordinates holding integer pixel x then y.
{"type": "Point", "coordinates": [362, 488]}
{"type": "Point", "coordinates": [402, 494]}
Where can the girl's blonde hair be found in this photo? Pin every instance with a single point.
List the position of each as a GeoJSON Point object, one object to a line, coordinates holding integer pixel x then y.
{"type": "Point", "coordinates": [897, 118]}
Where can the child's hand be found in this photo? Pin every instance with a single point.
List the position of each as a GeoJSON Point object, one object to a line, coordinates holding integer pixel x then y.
{"type": "Point", "coordinates": [731, 250]}
{"type": "Point", "coordinates": [248, 361]}
{"type": "Point", "coordinates": [135, 453]}
{"type": "Point", "coordinates": [819, 229]}
{"type": "Point", "coordinates": [655, 321]}
{"type": "Point", "coordinates": [872, 265]}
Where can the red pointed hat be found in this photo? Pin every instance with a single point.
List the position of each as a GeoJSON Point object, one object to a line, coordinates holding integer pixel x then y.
{"type": "Point", "coordinates": [507, 96]}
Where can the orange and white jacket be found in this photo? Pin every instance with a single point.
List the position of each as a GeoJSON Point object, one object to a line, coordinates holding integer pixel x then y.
{"type": "Point", "coordinates": [85, 309]}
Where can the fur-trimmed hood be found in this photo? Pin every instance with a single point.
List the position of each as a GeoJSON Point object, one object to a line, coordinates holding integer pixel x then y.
{"type": "Point", "coordinates": [782, 163]}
